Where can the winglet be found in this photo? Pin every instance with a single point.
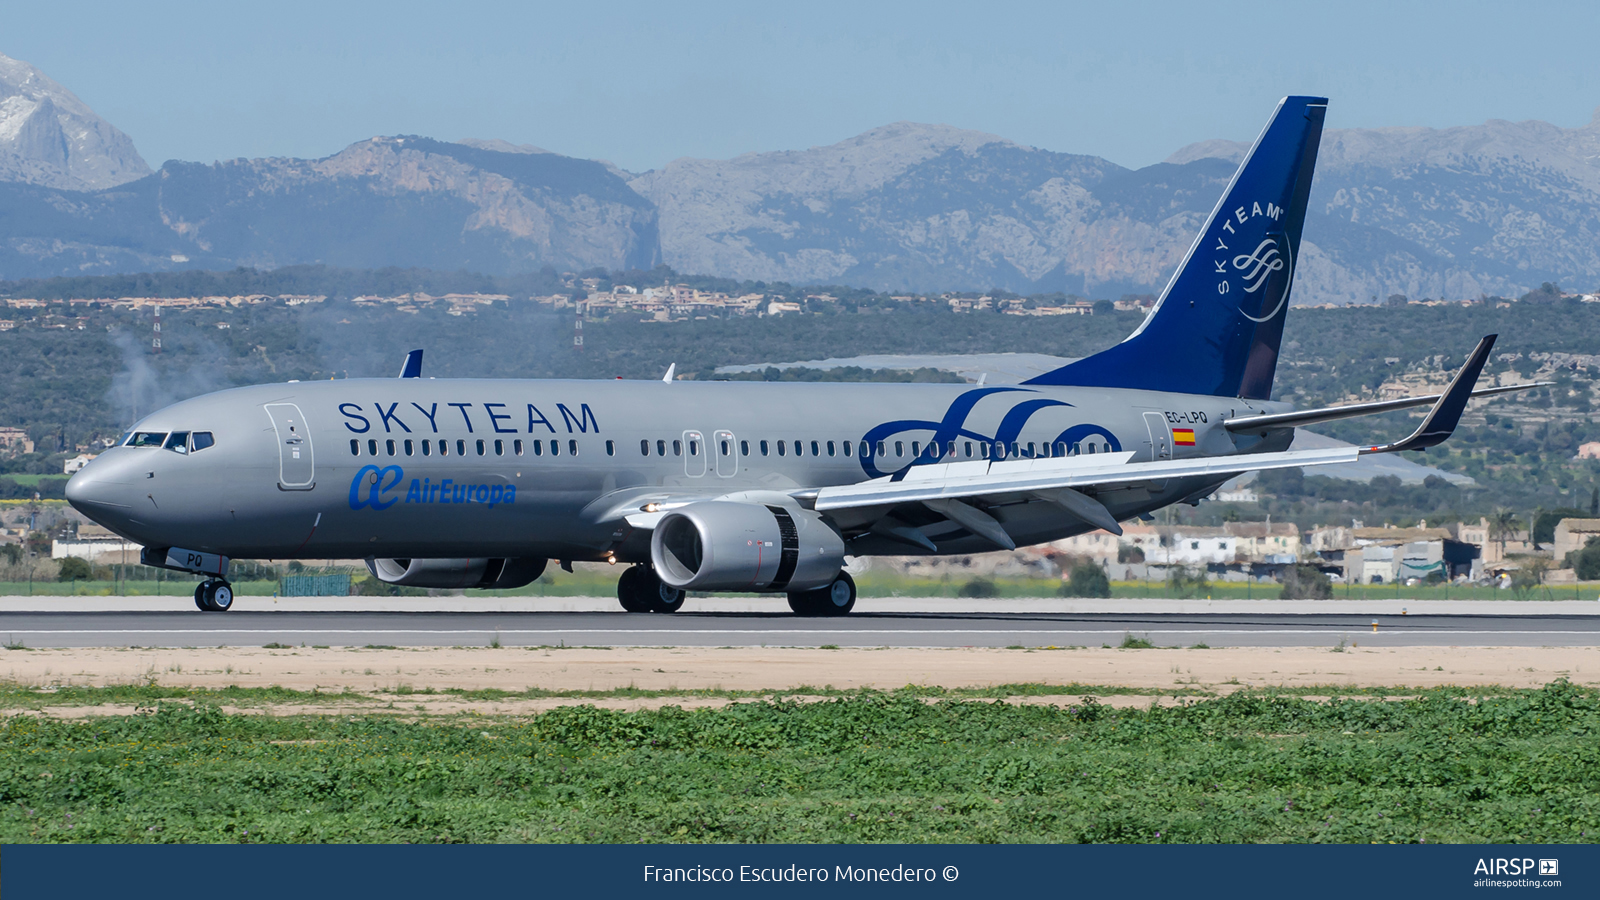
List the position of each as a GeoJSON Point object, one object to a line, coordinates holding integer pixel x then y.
{"type": "Point", "coordinates": [671, 370]}
{"type": "Point", "coordinates": [1441, 421]}
{"type": "Point", "coordinates": [413, 365]}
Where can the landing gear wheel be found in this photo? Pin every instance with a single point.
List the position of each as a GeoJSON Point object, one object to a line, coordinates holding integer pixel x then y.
{"type": "Point", "coordinates": [214, 596]}
{"type": "Point", "coordinates": [631, 589]}
{"type": "Point", "coordinates": [641, 590]}
{"type": "Point", "coordinates": [837, 599]}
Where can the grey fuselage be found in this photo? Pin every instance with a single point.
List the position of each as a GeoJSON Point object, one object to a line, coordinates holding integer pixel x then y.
{"type": "Point", "coordinates": [336, 469]}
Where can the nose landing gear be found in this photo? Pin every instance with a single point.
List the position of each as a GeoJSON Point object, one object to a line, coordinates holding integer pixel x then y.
{"type": "Point", "coordinates": [640, 589]}
{"type": "Point", "coordinates": [213, 596]}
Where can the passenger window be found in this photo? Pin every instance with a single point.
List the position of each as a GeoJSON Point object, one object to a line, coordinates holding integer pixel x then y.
{"type": "Point", "coordinates": [555, 447]}
{"type": "Point", "coordinates": [1030, 448]}
{"type": "Point", "coordinates": [1061, 448]}
{"type": "Point", "coordinates": [499, 447]}
{"type": "Point", "coordinates": [724, 448]}
{"type": "Point", "coordinates": [916, 448]}
{"type": "Point", "coordinates": [411, 448]}
{"type": "Point", "coordinates": [780, 448]}
{"type": "Point", "coordinates": [200, 440]}
{"type": "Point", "coordinates": [830, 448]}
{"type": "Point", "coordinates": [1091, 446]}
{"type": "Point", "coordinates": [444, 448]}
{"type": "Point", "coordinates": [480, 446]}
{"type": "Point", "coordinates": [148, 439]}
{"type": "Point", "coordinates": [572, 447]}
{"type": "Point", "coordinates": [814, 448]}
{"type": "Point", "coordinates": [694, 448]}
{"type": "Point", "coordinates": [968, 449]}
{"type": "Point", "coordinates": [799, 448]}
{"type": "Point", "coordinates": [538, 448]}
{"type": "Point", "coordinates": [847, 446]}
{"type": "Point", "coordinates": [427, 448]}
{"type": "Point", "coordinates": [882, 450]}
{"type": "Point", "coordinates": [372, 448]}
{"type": "Point", "coordinates": [516, 447]}
{"type": "Point", "coordinates": [899, 448]}
{"type": "Point", "coordinates": [1012, 451]}
{"type": "Point", "coordinates": [461, 447]}
{"type": "Point", "coordinates": [1105, 448]}
{"type": "Point", "coordinates": [744, 448]}
{"type": "Point", "coordinates": [763, 448]}
{"type": "Point", "coordinates": [677, 448]}
{"type": "Point", "coordinates": [983, 450]}
{"type": "Point", "coordinates": [611, 448]}
{"type": "Point", "coordinates": [644, 447]}
{"type": "Point", "coordinates": [389, 446]}
{"type": "Point", "coordinates": [661, 448]}
{"type": "Point", "coordinates": [355, 447]}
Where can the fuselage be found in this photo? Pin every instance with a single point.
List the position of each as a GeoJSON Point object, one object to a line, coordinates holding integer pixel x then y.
{"type": "Point", "coordinates": [518, 468]}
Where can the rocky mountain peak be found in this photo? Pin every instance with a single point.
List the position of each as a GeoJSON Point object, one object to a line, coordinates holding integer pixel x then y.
{"type": "Point", "coordinates": [49, 137]}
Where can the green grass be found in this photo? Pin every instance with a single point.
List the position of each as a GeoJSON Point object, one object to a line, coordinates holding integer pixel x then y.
{"type": "Point", "coordinates": [33, 480]}
{"type": "Point", "coordinates": [179, 586]}
{"type": "Point", "coordinates": [867, 767]}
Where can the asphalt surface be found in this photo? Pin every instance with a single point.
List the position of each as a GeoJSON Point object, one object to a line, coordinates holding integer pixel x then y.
{"type": "Point", "coordinates": [756, 629]}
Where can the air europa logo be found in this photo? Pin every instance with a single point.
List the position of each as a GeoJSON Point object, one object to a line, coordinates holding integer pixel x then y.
{"type": "Point", "coordinates": [378, 488]}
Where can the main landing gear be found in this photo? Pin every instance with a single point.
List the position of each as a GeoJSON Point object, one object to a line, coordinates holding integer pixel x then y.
{"type": "Point", "coordinates": [836, 599]}
{"type": "Point", "coordinates": [215, 595]}
{"type": "Point", "coordinates": [640, 589]}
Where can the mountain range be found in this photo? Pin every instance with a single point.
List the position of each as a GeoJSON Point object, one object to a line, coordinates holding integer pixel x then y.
{"type": "Point", "coordinates": [1495, 208]}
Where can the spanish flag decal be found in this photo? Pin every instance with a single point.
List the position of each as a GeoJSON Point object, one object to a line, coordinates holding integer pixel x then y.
{"type": "Point", "coordinates": [1183, 437]}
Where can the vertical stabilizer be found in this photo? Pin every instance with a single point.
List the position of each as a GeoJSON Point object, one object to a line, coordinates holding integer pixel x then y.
{"type": "Point", "coordinates": [1217, 326]}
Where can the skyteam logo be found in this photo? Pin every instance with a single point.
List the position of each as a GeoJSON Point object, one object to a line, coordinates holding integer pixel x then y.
{"type": "Point", "coordinates": [372, 487]}
{"type": "Point", "coordinates": [953, 427]}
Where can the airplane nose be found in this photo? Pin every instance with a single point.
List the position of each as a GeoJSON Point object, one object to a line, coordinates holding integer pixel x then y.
{"type": "Point", "coordinates": [95, 492]}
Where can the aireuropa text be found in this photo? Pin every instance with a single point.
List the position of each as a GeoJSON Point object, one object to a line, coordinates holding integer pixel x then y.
{"type": "Point", "coordinates": [793, 873]}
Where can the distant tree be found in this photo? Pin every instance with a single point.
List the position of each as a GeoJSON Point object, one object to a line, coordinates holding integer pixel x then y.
{"type": "Point", "coordinates": [979, 587]}
{"type": "Point", "coordinates": [1544, 524]}
{"type": "Point", "coordinates": [12, 553]}
{"type": "Point", "coordinates": [1549, 292]}
{"type": "Point", "coordinates": [1305, 583]}
{"type": "Point", "coordinates": [74, 569]}
{"type": "Point", "coordinates": [1087, 580]}
{"type": "Point", "coordinates": [1185, 583]}
{"type": "Point", "coordinates": [1586, 562]}
{"type": "Point", "coordinates": [1396, 301]}
{"type": "Point", "coordinates": [1104, 307]}
{"type": "Point", "coordinates": [1130, 553]}
{"type": "Point", "coordinates": [1502, 525]}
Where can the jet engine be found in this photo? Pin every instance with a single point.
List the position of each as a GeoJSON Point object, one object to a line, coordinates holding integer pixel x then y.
{"type": "Point", "coordinates": [730, 546]}
{"type": "Point", "coordinates": [457, 573]}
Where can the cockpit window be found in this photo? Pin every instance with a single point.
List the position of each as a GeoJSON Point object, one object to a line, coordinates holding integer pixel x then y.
{"type": "Point", "coordinates": [124, 439]}
{"type": "Point", "coordinates": [200, 440]}
{"type": "Point", "coordinates": [178, 442]}
{"type": "Point", "coordinates": [148, 439]}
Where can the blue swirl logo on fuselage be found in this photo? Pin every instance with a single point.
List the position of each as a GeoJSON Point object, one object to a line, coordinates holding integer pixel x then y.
{"type": "Point", "coordinates": [371, 484]}
{"type": "Point", "coordinates": [953, 427]}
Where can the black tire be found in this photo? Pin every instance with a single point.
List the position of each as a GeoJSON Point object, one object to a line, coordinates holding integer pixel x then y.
{"type": "Point", "coordinates": [631, 589]}
{"type": "Point", "coordinates": [220, 596]}
{"type": "Point", "coordinates": [837, 599]}
{"type": "Point", "coordinates": [665, 598]}
{"type": "Point", "coordinates": [200, 597]}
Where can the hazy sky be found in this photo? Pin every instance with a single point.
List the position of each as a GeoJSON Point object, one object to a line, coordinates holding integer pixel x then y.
{"type": "Point", "coordinates": [643, 83]}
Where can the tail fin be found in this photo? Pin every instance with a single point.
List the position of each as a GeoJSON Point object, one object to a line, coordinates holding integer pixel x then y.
{"type": "Point", "coordinates": [1217, 326]}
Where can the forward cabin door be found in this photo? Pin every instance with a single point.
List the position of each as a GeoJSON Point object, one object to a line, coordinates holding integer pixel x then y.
{"type": "Point", "coordinates": [694, 459]}
{"type": "Point", "coordinates": [1160, 436]}
{"type": "Point", "coordinates": [296, 467]}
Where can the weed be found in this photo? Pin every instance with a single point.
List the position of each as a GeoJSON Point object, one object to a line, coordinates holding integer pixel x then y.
{"type": "Point", "coordinates": [1129, 642]}
{"type": "Point", "coordinates": [828, 647]}
{"type": "Point", "coordinates": [1200, 646]}
{"type": "Point", "coordinates": [276, 646]}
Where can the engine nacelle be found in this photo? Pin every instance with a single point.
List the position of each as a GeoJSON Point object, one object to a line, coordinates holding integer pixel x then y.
{"type": "Point", "coordinates": [721, 545]}
{"type": "Point", "coordinates": [458, 573]}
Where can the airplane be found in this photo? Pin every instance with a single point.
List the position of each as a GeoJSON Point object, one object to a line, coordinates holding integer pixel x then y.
{"type": "Point", "coordinates": [747, 486]}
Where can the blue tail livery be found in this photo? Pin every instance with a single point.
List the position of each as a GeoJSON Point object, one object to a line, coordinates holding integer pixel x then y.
{"type": "Point", "coordinates": [1217, 326]}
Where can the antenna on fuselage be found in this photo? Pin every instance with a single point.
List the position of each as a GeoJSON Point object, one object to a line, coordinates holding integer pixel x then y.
{"type": "Point", "coordinates": [413, 365]}
{"type": "Point", "coordinates": [670, 370]}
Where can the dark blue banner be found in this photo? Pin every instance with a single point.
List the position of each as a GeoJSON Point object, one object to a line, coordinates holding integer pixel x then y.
{"type": "Point", "coordinates": [394, 872]}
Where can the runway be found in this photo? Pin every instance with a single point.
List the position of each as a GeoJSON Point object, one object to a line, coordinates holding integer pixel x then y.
{"type": "Point", "coordinates": [242, 628]}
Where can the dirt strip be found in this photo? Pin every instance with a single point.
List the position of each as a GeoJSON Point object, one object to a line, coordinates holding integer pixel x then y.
{"type": "Point", "coordinates": [763, 669]}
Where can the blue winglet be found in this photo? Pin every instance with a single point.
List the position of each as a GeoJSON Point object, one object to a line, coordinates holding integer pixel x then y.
{"type": "Point", "coordinates": [413, 366]}
{"type": "Point", "coordinates": [1217, 326]}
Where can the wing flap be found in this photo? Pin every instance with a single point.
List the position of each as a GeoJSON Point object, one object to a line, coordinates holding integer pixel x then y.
{"type": "Point", "coordinates": [1027, 476]}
